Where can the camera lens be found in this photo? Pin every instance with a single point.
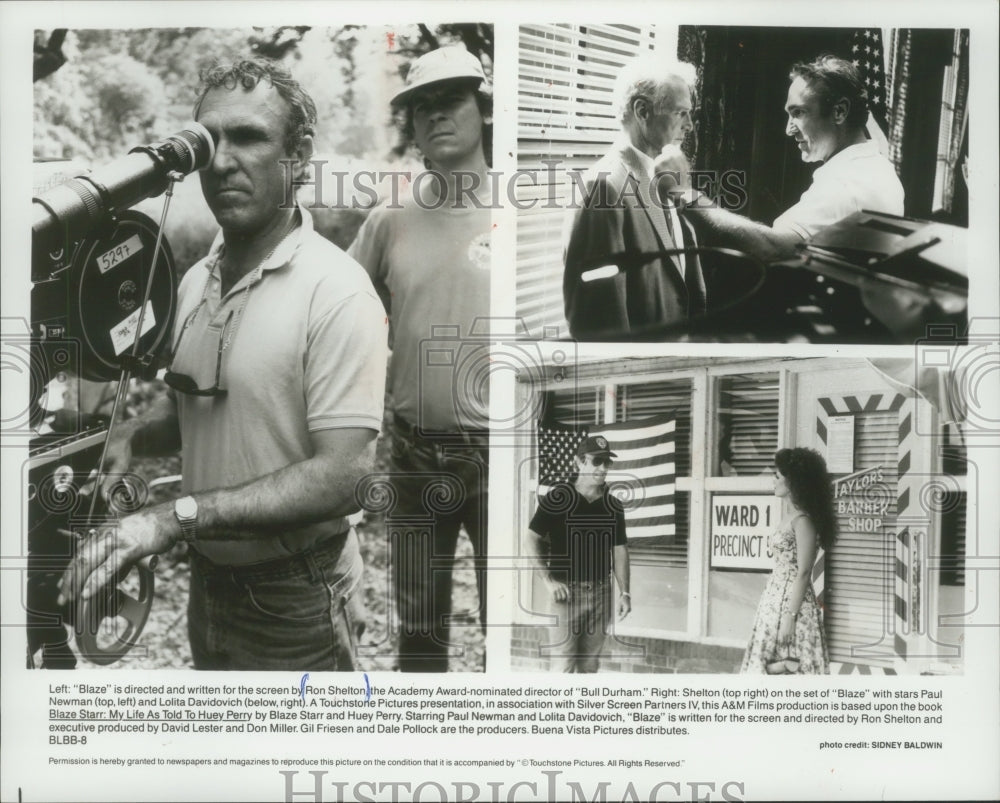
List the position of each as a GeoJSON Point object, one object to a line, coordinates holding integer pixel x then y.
{"type": "Point", "coordinates": [188, 150]}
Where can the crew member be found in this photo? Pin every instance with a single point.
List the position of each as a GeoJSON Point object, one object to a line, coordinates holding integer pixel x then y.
{"type": "Point", "coordinates": [275, 401]}
{"type": "Point", "coordinates": [429, 257]}
{"type": "Point", "coordinates": [576, 539]}
{"type": "Point", "coordinates": [827, 110]}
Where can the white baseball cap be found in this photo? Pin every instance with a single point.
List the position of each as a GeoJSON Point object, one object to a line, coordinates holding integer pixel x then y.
{"type": "Point", "coordinates": [444, 64]}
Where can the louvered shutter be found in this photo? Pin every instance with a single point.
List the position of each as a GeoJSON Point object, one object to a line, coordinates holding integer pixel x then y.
{"type": "Point", "coordinates": [748, 418]}
{"type": "Point", "coordinates": [952, 553]}
{"type": "Point", "coordinates": [859, 568]}
{"type": "Point", "coordinates": [565, 77]}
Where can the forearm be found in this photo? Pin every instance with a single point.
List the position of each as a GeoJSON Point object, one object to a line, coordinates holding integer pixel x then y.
{"type": "Point", "coordinates": [315, 489]}
{"type": "Point", "coordinates": [723, 228]}
{"type": "Point", "coordinates": [797, 592]}
{"type": "Point", "coordinates": [310, 491]}
{"type": "Point", "coordinates": [805, 554]}
{"type": "Point", "coordinates": [622, 569]}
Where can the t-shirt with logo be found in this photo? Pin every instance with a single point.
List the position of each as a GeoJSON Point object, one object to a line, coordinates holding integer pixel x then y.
{"type": "Point", "coordinates": [431, 267]}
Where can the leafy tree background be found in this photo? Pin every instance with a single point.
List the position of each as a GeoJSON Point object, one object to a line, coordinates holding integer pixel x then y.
{"type": "Point", "coordinates": [98, 93]}
{"type": "Point", "coordinates": [111, 90]}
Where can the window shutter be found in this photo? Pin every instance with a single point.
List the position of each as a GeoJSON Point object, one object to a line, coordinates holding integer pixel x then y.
{"type": "Point", "coordinates": [565, 77]}
{"type": "Point", "coordinates": [748, 418]}
{"type": "Point", "coordinates": [575, 407]}
{"type": "Point", "coordinates": [859, 567]}
{"type": "Point", "coordinates": [952, 553]}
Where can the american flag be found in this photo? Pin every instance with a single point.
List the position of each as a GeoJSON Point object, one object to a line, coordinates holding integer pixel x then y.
{"type": "Point", "coordinates": [868, 56]}
{"type": "Point", "coordinates": [642, 475]}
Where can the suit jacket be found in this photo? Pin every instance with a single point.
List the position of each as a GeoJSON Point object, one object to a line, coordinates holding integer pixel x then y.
{"type": "Point", "coordinates": [617, 222]}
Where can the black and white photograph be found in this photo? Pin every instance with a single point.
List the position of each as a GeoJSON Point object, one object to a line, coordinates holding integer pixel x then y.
{"type": "Point", "coordinates": [722, 515]}
{"type": "Point", "coordinates": [742, 184]}
{"type": "Point", "coordinates": [372, 373]}
{"type": "Point", "coordinates": [272, 400]}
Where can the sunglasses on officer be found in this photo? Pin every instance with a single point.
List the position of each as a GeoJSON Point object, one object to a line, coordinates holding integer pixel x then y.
{"type": "Point", "coordinates": [601, 461]}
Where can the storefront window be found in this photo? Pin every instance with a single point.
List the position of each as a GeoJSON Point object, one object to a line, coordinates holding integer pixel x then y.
{"type": "Point", "coordinates": [747, 425]}
{"type": "Point", "coordinates": [746, 428]}
{"type": "Point", "coordinates": [734, 596]}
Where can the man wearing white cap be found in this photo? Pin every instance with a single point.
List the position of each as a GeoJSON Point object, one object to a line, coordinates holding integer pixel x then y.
{"type": "Point", "coordinates": [429, 258]}
{"type": "Point", "coordinates": [576, 539]}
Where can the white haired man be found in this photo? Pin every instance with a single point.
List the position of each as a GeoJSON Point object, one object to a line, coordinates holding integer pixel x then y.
{"type": "Point", "coordinates": [620, 278]}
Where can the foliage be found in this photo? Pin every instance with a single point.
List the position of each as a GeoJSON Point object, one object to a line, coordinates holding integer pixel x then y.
{"type": "Point", "coordinates": [122, 88]}
{"type": "Point", "coordinates": [101, 92]}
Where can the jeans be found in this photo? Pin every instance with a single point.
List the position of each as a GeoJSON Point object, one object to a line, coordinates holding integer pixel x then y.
{"type": "Point", "coordinates": [582, 624]}
{"type": "Point", "coordinates": [440, 484]}
{"type": "Point", "coordinates": [297, 613]}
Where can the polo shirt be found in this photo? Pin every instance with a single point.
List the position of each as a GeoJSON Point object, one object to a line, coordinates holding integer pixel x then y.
{"type": "Point", "coordinates": [307, 351]}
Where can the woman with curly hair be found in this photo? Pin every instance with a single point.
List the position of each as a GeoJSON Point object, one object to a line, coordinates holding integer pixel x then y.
{"type": "Point", "coordinates": [787, 636]}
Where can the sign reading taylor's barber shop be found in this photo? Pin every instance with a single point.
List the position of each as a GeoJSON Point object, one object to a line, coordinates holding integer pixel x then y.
{"type": "Point", "coordinates": [862, 500]}
{"type": "Point", "coordinates": [740, 526]}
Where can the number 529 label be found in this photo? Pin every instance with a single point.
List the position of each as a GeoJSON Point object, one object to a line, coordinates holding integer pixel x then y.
{"type": "Point", "coordinates": [118, 254]}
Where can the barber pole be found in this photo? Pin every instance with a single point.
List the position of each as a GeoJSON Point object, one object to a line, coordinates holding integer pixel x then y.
{"type": "Point", "coordinates": [905, 593]}
{"type": "Point", "coordinates": [910, 543]}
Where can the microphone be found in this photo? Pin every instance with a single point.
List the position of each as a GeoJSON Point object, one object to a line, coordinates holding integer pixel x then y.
{"type": "Point", "coordinates": [69, 211]}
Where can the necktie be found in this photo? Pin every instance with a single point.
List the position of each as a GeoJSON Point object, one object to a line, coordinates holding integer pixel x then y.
{"type": "Point", "coordinates": [692, 271]}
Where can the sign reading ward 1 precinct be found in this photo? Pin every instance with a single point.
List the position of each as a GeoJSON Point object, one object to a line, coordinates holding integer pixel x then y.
{"type": "Point", "coordinates": [740, 526]}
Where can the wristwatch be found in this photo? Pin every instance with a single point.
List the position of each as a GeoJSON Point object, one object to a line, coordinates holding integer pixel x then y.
{"type": "Point", "coordinates": [186, 511]}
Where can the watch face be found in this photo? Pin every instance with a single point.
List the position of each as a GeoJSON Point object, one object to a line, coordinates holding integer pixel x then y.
{"type": "Point", "coordinates": [186, 507]}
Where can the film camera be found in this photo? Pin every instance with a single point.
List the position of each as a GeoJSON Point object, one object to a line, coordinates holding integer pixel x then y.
{"type": "Point", "coordinates": [103, 299]}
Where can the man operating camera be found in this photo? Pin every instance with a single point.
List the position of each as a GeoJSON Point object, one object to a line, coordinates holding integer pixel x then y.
{"type": "Point", "coordinates": [275, 401]}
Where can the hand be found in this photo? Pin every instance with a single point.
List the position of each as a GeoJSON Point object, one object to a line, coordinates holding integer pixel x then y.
{"type": "Point", "coordinates": [624, 606]}
{"type": "Point", "coordinates": [786, 629]}
{"type": "Point", "coordinates": [114, 548]}
{"type": "Point", "coordinates": [672, 173]}
{"type": "Point", "coordinates": [672, 162]}
{"type": "Point", "coordinates": [118, 459]}
{"type": "Point", "coordinates": [559, 591]}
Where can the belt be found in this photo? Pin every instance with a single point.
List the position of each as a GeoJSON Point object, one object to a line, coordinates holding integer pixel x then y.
{"type": "Point", "coordinates": [473, 437]}
{"type": "Point", "coordinates": [265, 569]}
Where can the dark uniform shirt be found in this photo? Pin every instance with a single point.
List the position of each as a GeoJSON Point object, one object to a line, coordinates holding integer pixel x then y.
{"type": "Point", "coordinates": [578, 536]}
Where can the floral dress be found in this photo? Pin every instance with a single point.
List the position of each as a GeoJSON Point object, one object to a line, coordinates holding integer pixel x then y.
{"type": "Point", "coordinates": [809, 644]}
